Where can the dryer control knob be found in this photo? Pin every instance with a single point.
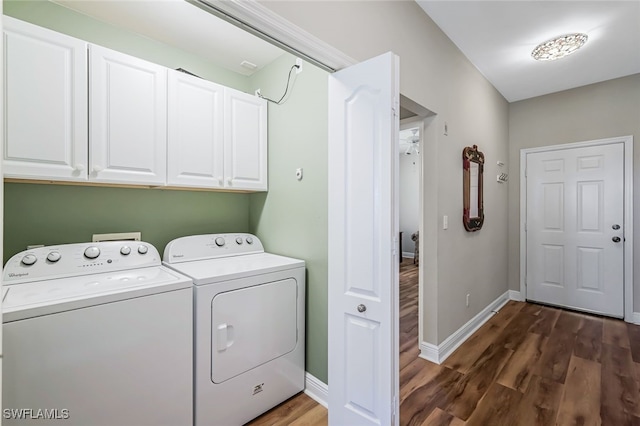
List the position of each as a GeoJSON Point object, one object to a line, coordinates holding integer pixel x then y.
{"type": "Point", "coordinates": [220, 241]}
{"type": "Point", "coordinates": [143, 249]}
{"type": "Point", "coordinates": [29, 259]}
{"type": "Point", "coordinates": [239, 240]}
{"type": "Point", "coordinates": [125, 250]}
{"type": "Point", "coordinates": [92, 252]}
{"type": "Point", "coordinates": [53, 256]}
{"type": "Point", "coordinates": [249, 240]}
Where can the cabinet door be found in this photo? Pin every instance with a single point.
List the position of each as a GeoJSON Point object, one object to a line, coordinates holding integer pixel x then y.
{"type": "Point", "coordinates": [45, 103]}
{"type": "Point", "coordinates": [195, 125]}
{"type": "Point", "coordinates": [245, 141]}
{"type": "Point", "coordinates": [127, 118]}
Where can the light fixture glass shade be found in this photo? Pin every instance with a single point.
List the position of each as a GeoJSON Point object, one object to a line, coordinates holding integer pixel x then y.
{"type": "Point", "coordinates": [559, 47]}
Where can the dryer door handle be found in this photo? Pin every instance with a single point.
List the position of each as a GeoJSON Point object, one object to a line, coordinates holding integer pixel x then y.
{"type": "Point", "coordinates": [224, 336]}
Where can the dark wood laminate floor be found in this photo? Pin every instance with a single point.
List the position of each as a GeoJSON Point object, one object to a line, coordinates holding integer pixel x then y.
{"type": "Point", "coordinates": [528, 365]}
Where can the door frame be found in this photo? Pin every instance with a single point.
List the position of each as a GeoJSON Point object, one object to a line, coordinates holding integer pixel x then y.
{"type": "Point", "coordinates": [627, 142]}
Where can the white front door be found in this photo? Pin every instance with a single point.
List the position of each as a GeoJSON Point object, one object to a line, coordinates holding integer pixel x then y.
{"type": "Point", "coordinates": [363, 233]}
{"type": "Point", "coordinates": [575, 228]}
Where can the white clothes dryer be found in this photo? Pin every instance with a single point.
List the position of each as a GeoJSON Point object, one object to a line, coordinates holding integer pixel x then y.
{"type": "Point", "coordinates": [249, 325]}
{"type": "Point", "coordinates": [96, 334]}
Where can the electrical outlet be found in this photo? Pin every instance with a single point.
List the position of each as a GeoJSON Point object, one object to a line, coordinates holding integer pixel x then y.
{"type": "Point", "coordinates": [298, 65]}
{"type": "Point", "coordinates": [468, 295]}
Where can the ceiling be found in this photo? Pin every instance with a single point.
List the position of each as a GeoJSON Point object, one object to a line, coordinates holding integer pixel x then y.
{"type": "Point", "coordinates": [184, 26]}
{"type": "Point", "coordinates": [498, 37]}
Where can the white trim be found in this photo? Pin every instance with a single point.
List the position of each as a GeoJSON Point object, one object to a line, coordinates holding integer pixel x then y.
{"type": "Point", "coordinates": [441, 352]}
{"type": "Point", "coordinates": [516, 295]}
{"type": "Point", "coordinates": [316, 389]}
{"type": "Point", "coordinates": [268, 25]}
{"type": "Point", "coordinates": [407, 255]}
{"type": "Point", "coordinates": [636, 318]}
{"type": "Point", "coordinates": [629, 315]}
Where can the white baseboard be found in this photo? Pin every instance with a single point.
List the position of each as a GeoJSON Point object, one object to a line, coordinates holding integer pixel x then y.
{"type": "Point", "coordinates": [441, 352]}
{"type": "Point", "coordinates": [316, 389]}
{"type": "Point", "coordinates": [516, 295]}
{"type": "Point", "coordinates": [636, 318]}
{"type": "Point", "coordinates": [407, 254]}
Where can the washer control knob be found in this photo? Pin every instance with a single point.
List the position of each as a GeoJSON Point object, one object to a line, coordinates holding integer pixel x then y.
{"type": "Point", "coordinates": [29, 259]}
{"type": "Point", "coordinates": [53, 256]}
{"type": "Point", "coordinates": [125, 250]}
{"type": "Point", "coordinates": [92, 252]}
{"type": "Point", "coordinates": [143, 249]}
{"type": "Point", "coordinates": [220, 241]}
{"type": "Point", "coordinates": [239, 240]}
{"type": "Point", "coordinates": [249, 240]}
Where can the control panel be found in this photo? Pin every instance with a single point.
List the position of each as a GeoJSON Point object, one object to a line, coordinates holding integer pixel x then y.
{"type": "Point", "coordinates": [79, 259]}
{"type": "Point", "coordinates": [211, 246]}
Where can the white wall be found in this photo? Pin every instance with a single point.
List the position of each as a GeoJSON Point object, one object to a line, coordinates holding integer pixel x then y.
{"type": "Point", "coordinates": [409, 194]}
{"type": "Point", "coordinates": [435, 74]}
{"type": "Point", "coordinates": [596, 111]}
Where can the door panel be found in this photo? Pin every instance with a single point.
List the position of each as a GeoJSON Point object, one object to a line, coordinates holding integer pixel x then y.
{"type": "Point", "coordinates": [574, 200]}
{"type": "Point", "coordinates": [363, 229]}
{"type": "Point", "coordinates": [128, 118]}
{"type": "Point", "coordinates": [252, 326]}
{"type": "Point", "coordinates": [45, 103]}
{"type": "Point", "coordinates": [195, 132]}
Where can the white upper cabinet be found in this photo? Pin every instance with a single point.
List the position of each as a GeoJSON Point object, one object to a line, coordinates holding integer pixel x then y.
{"type": "Point", "coordinates": [45, 103]}
{"type": "Point", "coordinates": [245, 141]}
{"type": "Point", "coordinates": [217, 136]}
{"type": "Point", "coordinates": [195, 125]}
{"type": "Point", "coordinates": [81, 112]}
{"type": "Point", "coordinates": [127, 118]}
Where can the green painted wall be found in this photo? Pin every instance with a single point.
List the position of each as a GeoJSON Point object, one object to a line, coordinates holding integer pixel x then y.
{"type": "Point", "coordinates": [291, 219]}
{"type": "Point", "coordinates": [57, 214]}
{"type": "Point", "coordinates": [52, 214]}
{"type": "Point", "coordinates": [67, 21]}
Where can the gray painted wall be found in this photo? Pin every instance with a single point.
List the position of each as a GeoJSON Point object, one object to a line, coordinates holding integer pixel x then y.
{"type": "Point", "coordinates": [597, 111]}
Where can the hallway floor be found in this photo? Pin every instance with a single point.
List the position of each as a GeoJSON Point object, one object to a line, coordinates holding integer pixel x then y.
{"type": "Point", "coordinates": [528, 365]}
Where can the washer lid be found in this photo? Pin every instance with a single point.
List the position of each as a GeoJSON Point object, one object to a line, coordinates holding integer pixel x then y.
{"type": "Point", "coordinates": [224, 269]}
{"type": "Point", "coordinates": [51, 296]}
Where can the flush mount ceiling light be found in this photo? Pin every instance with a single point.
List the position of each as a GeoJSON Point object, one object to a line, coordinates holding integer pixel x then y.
{"type": "Point", "coordinates": [559, 47]}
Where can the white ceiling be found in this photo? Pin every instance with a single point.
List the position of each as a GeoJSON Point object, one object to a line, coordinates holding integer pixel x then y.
{"type": "Point", "coordinates": [184, 26]}
{"type": "Point", "coordinates": [498, 37]}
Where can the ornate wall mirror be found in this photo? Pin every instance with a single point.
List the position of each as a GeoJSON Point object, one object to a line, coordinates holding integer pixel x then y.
{"type": "Point", "coordinates": [473, 168]}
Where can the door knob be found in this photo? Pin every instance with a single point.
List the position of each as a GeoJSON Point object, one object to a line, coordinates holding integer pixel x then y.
{"type": "Point", "coordinates": [615, 227]}
{"type": "Point", "coordinates": [361, 308]}
{"type": "Point", "coordinates": [616, 239]}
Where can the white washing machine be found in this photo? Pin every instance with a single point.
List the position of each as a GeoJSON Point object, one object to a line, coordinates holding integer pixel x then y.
{"type": "Point", "coordinates": [96, 334]}
{"type": "Point", "coordinates": [249, 325]}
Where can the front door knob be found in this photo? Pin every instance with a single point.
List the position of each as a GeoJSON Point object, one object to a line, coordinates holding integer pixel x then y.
{"type": "Point", "coordinates": [361, 308]}
{"type": "Point", "coordinates": [615, 227]}
{"type": "Point", "coordinates": [616, 239]}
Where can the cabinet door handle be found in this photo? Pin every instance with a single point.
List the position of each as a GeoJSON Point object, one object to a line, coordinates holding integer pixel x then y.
{"type": "Point", "coordinates": [79, 167]}
{"type": "Point", "coordinates": [229, 181]}
{"type": "Point", "coordinates": [97, 169]}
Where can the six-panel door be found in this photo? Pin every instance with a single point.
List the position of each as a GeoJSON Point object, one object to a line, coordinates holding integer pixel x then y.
{"type": "Point", "coordinates": [575, 229]}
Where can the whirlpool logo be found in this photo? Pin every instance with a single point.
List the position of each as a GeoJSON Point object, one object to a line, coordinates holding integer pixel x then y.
{"type": "Point", "coordinates": [14, 275]}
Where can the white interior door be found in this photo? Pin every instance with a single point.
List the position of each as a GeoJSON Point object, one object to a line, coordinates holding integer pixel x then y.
{"type": "Point", "coordinates": [363, 235]}
{"type": "Point", "coordinates": [575, 228]}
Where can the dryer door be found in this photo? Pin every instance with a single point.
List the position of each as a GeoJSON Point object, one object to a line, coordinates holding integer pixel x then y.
{"type": "Point", "coordinates": [252, 326]}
